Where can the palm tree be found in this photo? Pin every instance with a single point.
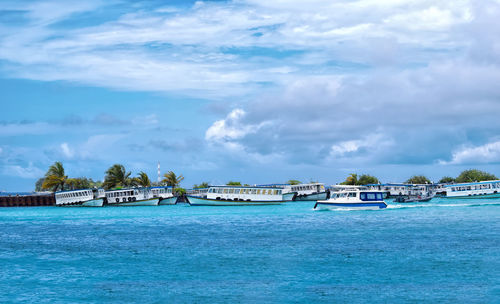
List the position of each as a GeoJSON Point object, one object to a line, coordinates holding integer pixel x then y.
{"type": "Point", "coordinates": [172, 180]}
{"type": "Point", "coordinates": [55, 177]}
{"type": "Point", "coordinates": [117, 176]}
{"type": "Point", "coordinates": [142, 180]}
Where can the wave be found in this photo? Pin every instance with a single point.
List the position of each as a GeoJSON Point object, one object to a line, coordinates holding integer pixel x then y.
{"type": "Point", "coordinates": [428, 205]}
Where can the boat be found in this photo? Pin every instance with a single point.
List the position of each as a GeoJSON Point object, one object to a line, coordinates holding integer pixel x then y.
{"type": "Point", "coordinates": [81, 197]}
{"type": "Point", "coordinates": [131, 197]}
{"type": "Point", "coordinates": [414, 198]}
{"type": "Point", "coordinates": [165, 195]}
{"type": "Point", "coordinates": [308, 192]}
{"type": "Point", "coordinates": [241, 196]}
{"type": "Point", "coordinates": [486, 189]}
{"type": "Point", "coordinates": [353, 199]}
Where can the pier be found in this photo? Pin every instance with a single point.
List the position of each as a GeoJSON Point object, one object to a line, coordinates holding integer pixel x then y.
{"type": "Point", "coordinates": [33, 200]}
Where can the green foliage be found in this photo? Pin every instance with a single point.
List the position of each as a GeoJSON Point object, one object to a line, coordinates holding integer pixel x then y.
{"type": "Point", "coordinates": [418, 179]}
{"type": "Point", "coordinates": [352, 179]}
{"type": "Point", "coordinates": [171, 179]}
{"type": "Point", "coordinates": [78, 183]}
{"type": "Point", "coordinates": [474, 175]}
{"type": "Point", "coordinates": [446, 180]}
{"type": "Point", "coordinates": [294, 182]}
{"type": "Point", "coordinates": [180, 191]}
{"type": "Point", "coordinates": [366, 179]}
{"type": "Point", "coordinates": [55, 178]}
{"type": "Point", "coordinates": [231, 183]}
{"type": "Point", "coordinates": [142, 180]}
{"type": "Point", "coordinates": [202, 185]}
{"type": "Point", "coordinates": [117, 176]}
{"type": "Point", "coordinates": [38, 184]}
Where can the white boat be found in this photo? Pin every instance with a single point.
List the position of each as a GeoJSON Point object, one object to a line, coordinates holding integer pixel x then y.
{"type": "Point", "coordinates": [165, 195]}
{"type": "Point", "coordinates": [353, 199]}
{"type": "Point", "coordinates": [308, 192]}
{"type": "Point", "coordinates": [82, 197]}
{"type": "Point", "coordinates": [488, 189]}
{"type": "Point", "coordinates": [241, 196]}
{"type": "Point", "coordinates": [131, 197]}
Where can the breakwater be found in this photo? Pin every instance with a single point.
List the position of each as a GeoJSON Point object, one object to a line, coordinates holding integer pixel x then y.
{"type": "Point", "coordinates": [32, 200]}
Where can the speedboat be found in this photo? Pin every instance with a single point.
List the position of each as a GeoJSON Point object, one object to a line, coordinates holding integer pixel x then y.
{"type": "Point", "coordinates": [353, 199]}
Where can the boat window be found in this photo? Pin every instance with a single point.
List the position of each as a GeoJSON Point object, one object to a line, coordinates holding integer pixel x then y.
{"type": "Point", "coordinates": [231, 191]}
{"type": "Point", "coordinates": [242, 191]}
{"type": "Point", "coordinates": [352, 194]}
{"type": "Point", "coordinates": [379, 196]}
{"type": "Point", "coordinates": [362, 196]}
{"type": "Point", "coordinates": [269, 192]}
{"type": "Point", "coordinates": [370, 196]}
{"type": "Point", "coordinates": [258, 191]}
{"type": "Point", "coordinates": [254, 191]}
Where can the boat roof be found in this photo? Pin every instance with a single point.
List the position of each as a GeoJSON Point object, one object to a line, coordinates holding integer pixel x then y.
{"type": "Point", "coordinates": [473, 183]}
{"type": "Point", "coordinates": [66, 191]}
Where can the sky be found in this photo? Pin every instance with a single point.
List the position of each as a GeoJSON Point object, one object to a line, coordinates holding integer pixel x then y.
{"type": "Point", "coordinates": [249, 90]}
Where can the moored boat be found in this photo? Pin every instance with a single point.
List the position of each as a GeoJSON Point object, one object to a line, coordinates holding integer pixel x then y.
{"type": "Point", "coordinates": [82, 197]}
{"type": "Point", "coordinates": [165, 195]}
{"type": "Point", "coordinates": [241, 196]}
{"type": "Point", "coordinates": [131, 197]}
{"type": "Point", "coordinates": [487, 189]}
{"type": "Point", "coordinates": [308, 192]}
{"type": "Point", "coordinates": [354, 199]}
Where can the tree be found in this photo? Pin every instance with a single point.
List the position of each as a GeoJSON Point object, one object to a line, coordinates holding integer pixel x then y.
{"type": "Point", "coordinates": [474, 175]}
{"type": "Point", "coordinates": [39, 184]}
{"type": "Point", "coordinates": [294, 182]}
{"type": "Point", "coordinates": [200, 186]}
{"type": "Point", "coordinates": [117, 176]}
{"type": "Point", "coordinates": [231, 183]}
{"type": "Point", "coordinates": [180, 191]}
{"type": "Point", "coordinates": [352, 179]}
{"type": "Point", "coordinates": [171, 179]}
{"type": "Point", "coordinates": [446, 180]}
{"type": "Point", "coordinates": [142, 180]}
{"type": "Point", "coordinates": [55, 178]}
{"type": "Point", "coordinates": [366, 179]}
{"type": "Point", "coordinates": [78, 183]}
{"type": "Point", "coordinates": [418, 179]}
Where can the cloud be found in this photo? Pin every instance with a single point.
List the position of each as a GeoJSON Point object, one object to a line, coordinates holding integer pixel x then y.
{"type": "Point", "coordinates": [67, 152]}
{"type": "Point", "coordinates": [487, 153]}
{"type": "Point", "coordinates": [29, 171]}
{"type": "Point", "coordinates": [216, 50]}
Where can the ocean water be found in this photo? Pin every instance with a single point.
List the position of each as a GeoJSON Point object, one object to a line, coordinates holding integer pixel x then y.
{"type": "Point", "coordinates": [442, 251]}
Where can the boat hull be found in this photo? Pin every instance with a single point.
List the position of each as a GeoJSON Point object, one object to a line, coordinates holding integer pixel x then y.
{"type": "Point", "coordinates": [479, 196]}
{"type": "Point", "coordinates": [146, 202]}
{"type": "Point", "coordinates": [198, 201]}
{"type": "Point", "coordinates": [312, 197]}
{"type": "Point", "coordinates": [350, 206]}
{"type": "Point", "coordinates": [91, 203]}
{"type": "Point", "coordinates": [168, 201]}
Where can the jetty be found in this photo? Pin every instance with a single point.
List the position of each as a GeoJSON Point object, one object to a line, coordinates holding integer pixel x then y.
{"type": "Point", "coordinates": [31, 200]}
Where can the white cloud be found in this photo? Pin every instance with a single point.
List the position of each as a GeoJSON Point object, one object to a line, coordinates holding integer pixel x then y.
{"type": "Point", "coordinates": [229, 128]}
{"type": "Point", "coordinates": [67, 152]}
{"type": "Point", "coordinates": [488, 153]}
{"type": "Point", "coordinates": [24, 172]}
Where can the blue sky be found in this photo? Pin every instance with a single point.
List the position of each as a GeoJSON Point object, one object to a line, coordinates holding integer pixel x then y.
{"type": "Point", "coordinates": [249, 90]}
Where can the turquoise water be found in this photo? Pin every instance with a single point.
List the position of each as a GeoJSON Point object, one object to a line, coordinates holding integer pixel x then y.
{"type": "Point", "coordinates": [441, 251]}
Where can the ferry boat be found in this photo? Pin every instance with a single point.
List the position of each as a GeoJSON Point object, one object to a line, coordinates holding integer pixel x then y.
{"type": "Point", "coordinates": [165, 195]}
{"type": "Point", "coordinates": [131, 197]}
{"type": "Point", "coordinates": [241, 196]}
{"type": "Point", "coordinates": [308, 192]}
{"type": "Point", "coordinates": [487, 189]}
{"type": "Point", "coordinates": [353, 199]}
{"type": "Point", "coordinates": [83, 197]}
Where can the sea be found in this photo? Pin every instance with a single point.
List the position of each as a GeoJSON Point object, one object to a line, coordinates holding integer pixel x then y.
{"type": "Point", "coordinates": [442, 251]}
